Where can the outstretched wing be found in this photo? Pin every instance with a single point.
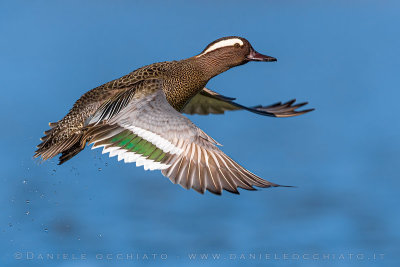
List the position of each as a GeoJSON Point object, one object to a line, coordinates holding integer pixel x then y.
{"type": "Point", "coordinates": [148, 131]}
{"type": "Point", "coordinates": [208, 101]}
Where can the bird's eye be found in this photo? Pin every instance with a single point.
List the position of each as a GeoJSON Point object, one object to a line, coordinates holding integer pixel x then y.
{"type": "Point", "coordinates": [237, 45]}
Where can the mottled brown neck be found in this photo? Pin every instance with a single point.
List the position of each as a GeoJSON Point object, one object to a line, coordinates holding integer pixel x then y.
{"type": "Point", "coordinates": [187, 77]}
{"type": "Point", "coordinates": [182, 81]}
{"type": "Point", "coordinates": [211, 65]}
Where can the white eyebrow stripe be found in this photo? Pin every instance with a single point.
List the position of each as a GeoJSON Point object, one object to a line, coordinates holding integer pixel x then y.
{"type": "Point", "coordinates": [223, 43]}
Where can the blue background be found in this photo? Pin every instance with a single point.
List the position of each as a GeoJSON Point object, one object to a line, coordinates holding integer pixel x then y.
{"type": "Point", "coordinates": [341, 56]}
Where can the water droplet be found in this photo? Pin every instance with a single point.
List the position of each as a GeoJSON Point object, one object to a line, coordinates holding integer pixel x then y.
{"type": "Point", "coordinates": [27, 212]}
{"type": "Point", "coordinates": [42, 195]}
{"type": "Point", "coordinates": [25, 181]}
{"type": "Point", "coordinates": [27, 201]}
{"type": "Point", "coordinates": [99, 169]}
{"type": "Point", "coordinates": [46, 230]}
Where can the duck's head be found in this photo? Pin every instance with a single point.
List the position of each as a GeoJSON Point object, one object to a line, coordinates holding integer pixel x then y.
{"type": "Point", "coordinates": [232, 51]}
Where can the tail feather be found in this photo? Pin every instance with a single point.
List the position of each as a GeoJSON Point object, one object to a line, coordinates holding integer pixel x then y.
{"type": "Point", "coordinates": [55, 142]}
{"type": "Point", "coordinates": [53, 124]}
{"type": "Point", "coordinates": [71, 152]}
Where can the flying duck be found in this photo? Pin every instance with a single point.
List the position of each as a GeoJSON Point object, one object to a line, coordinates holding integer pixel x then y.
{"type": "Point", "coordinates": [138, 118]}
